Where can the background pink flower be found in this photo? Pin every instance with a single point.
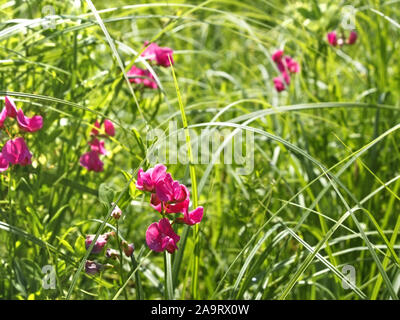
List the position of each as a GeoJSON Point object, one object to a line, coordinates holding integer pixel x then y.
{"type": "Point", "coordinates": [16, 152]}
{"type": "Point", "coordinates": [29, 124]}
{"type": "Point", "coordinates": [91, 161]}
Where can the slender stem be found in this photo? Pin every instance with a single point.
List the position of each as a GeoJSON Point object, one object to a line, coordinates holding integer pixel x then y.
{"type": "Point", "coordinates": [121, 267]}
{"type": "Point", "coordinates": [169, 290]}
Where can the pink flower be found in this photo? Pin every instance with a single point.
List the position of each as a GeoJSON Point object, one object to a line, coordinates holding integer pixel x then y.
{"type": "Point", "coordinates": [128, 248]}
{"type": "Point", "coordinates": [91, 161]}
{"type": "Point", "coordinates": [286, 77]}
{"type": "Point", "coordinates": [146, 181]}
{"type": "Point", "coordinates": [352, 37]}
{"type": "Point", "coordinates": [10, 107]}
{"type": "Point", "coordinates": [3, 117]}
{"type": "Point", "coordinates": [94, 131]}
{"type": "Point", "coordinates": [3, 163]}
{"type": "Point", "coordinates": [279, 85]}
{"type": "Point", "coordinates": [277, 56]}
{"type": "Point", "coordinates": [138, 76]}
{"type": "Point", "coordinates": [97, 146]}
{"type": "Point", "coordinates": [16, 152]}
{"type": "Point", "coordinates": [29, 124]}
{"type": "Point", "coordinates": [100, 243]}
{"type": "Point", "coordinates": [292, 65]}
{"type": "Point", "coordinates": [162, 55]}
{"type": "Point", "coordinates": [160, 236]}
{"type": "Point", "coordinates": [109, 128]}
{"type": "Point", "coordinates": [193, 217]}
{"type": "Point", "coordinates": [117, 212]}
{"type": "Point", "coordinates": [332, 38]}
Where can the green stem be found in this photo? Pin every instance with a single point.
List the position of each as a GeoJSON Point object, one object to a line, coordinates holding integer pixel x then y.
{"type": "Point", "coordinates": [169, 290]}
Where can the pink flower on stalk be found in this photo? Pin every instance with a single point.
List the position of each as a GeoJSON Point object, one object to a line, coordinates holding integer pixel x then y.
{"type": "Point", "coordinates": [97, 146]}
{"type": "Point", "coordinates": [193, 217]}
{"type": "Point", "coordinates": [162, 55]}
{"type": "Point", "coordinates": [109, 128]}
{"type": "Point", "coordinates": [4, 164]}
{"type": "Point", "coordinates": [16, 152]}
{"type": "Point", "coordinates": [277, 56]}
{"type": "Point", "coordinates": [332, 38]}
{"type": "Point", "coordinates": [94, 131]}
{"type": "Point", "coordinates": [292, 66]}
{"type": "Point", "coordinates": [279, 85]}
{"type": "Point", "coordinates": [160, 236]}
{"type": "Point", "coordinates": [10, 107]}
{"type": "Point", "coordinates": [352, 37]}
{"type": "Point", "coordinates": [146, 181]}
{"type": "Point", "coordinates": [138, 76]}
{"type": "Point", "coordinates": [29, 124]}
{"type": "Point", "coordinates": [3, 117]}
{"type": "Point", "coordinates": [91, 161]}
{"type": "Point", "coordinates": [100, 243]}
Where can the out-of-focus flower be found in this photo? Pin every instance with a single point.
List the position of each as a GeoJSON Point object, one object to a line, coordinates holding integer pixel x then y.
{"type": "Point", "coordinates": [109, 128]}
{"type": "Point", "coordinates": [94, 130]}
{"type": "Point", "coordinates": [160, 236]}
{"type": "Point", "coordinates": [146, 181]}
{"type": "Point", "coordinates": [292, 66]}
{"type": "Point", "coordinates": [277, 56]}
{"type": "Point", "coordinates": [138, 76]}
{"type": "Point", "coordinates": [97, 146]}
{"type": "Point", "coordinates": [4, 164]}
{"type": "Point", "coordinates": [3, 117]}
{"type": "Point", "coordinates": [162, 55]}
{"type": "Point", "coordinates": [352, 37]}
{"type": "Point", "coordinates": [279, 85]}
{"type": "Point", "coordinates": [112, 253]}
{"type": "Point", "coordinates": [16, 152]}
{"type": "Point", "coordinates": [100, 243]}
{"type": "Point", "coordinates": [128, 248]}
{"type": "Point", "coordinates": [91, 161]}
{"type": "Point", "coordinates": [10, 107]}
{"type": "Point", "coordinates": [332, 38]}
{"type": "Point", "coordinates": [29, 124]}
{"type": "Point", "coordinates": [92, 267]}
{"type": "Point", "coordinates": [117, 212]}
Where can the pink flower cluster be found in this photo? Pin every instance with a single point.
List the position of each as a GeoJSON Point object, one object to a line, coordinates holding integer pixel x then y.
{"type": "Point", "coordinates": [286, 65]}
{"type": "Point", "coordinates": [162, 56]}
{"type": "Point", "coordinates": [334, 40]}
{"type": "Point", "coordinates": [91, 160]}
{"type": "Point", "coordinates": [15, 151]}
{"type": "Point", "coordinates": [168, 196]}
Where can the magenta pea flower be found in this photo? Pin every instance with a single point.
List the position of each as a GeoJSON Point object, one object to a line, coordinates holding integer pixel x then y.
{"type": "Point", "coordinates": [193, 217]}
{"type": "Point", "coordinates": [94, 130]}
{"type": "Point", "coordinates": [109, 128]}
{"type": "Point", "coordinates": [10, 107]}
{"type": "Point", "coordinates": [352, 37]}
{"type": "Point", "coordinates": [4, 164]}
{"type": "Point", "coordinates": [162, 55]}
{"type": "Point", "coordinates": [97, 146]}
{"type": "Point", "coordinates": [332, 38]}
{"type": "Point", "coordinates": [138, 76]}
{"type": "Point", "coordinates": [277, 56]}
{"type": "Point", "coordinates": [146, 181]}
{"type": "Point", "coordinates": [16, 152]}
{"type": "Point", "coordinates": [91, 161]}
{"type": "Point", "coordinates": [3, 117]}
{"type": "Point", "coordinates": [29, 124]}
{"type": "Point", "coordinates": [160, 236]}
{"type": "Point", "coordinates": [279, 85]}
{"type": "Point", "coordinates": [292, 66]}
